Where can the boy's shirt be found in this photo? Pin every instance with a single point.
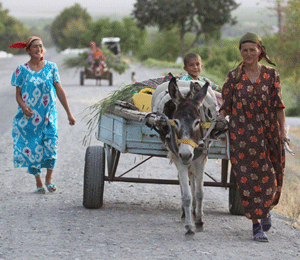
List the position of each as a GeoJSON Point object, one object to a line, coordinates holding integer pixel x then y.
{"type": "Point", "coordinates": [203, 79]}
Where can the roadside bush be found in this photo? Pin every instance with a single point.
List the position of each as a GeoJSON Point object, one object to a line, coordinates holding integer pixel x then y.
{"type": "Point", "coordinates": [232, 53]}
{"type": "Point", "coordinates": [204, 53]}
{"type": "Point", "coordinates": [291, 96]}
{"type": "Point", "coordinates": [218, 65]}
{"type": "Point", "coordinates": [162, 45]}
{"type": "Point", "coordinates": [161, 64]}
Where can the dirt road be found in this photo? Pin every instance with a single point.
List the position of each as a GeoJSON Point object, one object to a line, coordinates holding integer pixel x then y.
{"type": "Point", "coordinates": [137, 221]}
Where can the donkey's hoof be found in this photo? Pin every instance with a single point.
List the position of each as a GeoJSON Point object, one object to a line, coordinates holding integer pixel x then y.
{"type": "Point", "coordinates": [190, 232]}
{"type": "Point", "coordinates": [199, 224]}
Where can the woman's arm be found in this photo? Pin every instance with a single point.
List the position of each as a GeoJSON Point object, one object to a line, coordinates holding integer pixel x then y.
{"type": "Point", "coordinates": [227, 93]}
{"type": "Point", "coordinates": [221, 115]}
{"type": "Point", "coordinates": [281, 119]}
{"type": "Point", "coordinates": [63, 100]}
{"type": "Point", "coordinates": [26, 109]}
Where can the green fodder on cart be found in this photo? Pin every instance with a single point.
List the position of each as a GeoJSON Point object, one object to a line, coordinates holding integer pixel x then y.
{"type": "Point", "coordinates": [95, 111]}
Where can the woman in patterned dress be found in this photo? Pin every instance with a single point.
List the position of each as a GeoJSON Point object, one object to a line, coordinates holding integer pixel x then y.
{"type": "Point", "coordinates": [35, 124]}
{"type": "Point", "coordinates": [252, 99]}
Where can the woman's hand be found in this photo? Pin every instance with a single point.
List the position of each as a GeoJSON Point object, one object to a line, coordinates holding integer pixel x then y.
{"type": "Point", "coordinates": [27, 111]}
{"type": "Point", "coordinates": [221, 116]}
{"type": "Point", "coordinates": [285, 138]}
{"type": "Point", "coordinates": [71, 120]}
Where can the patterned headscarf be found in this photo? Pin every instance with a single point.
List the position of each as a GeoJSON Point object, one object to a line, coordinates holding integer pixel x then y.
{"type": "Point", "coordinates": [22, 45]}
{"type": "Point", "coordinates": [252, 37]}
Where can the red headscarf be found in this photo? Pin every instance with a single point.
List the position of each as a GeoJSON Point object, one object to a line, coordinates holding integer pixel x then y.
{"type": "Point", "coordinates": [21, 45]}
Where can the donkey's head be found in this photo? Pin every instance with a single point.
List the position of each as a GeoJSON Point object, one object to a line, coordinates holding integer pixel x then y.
{"type": "Point", "coordinates": [187, 118]}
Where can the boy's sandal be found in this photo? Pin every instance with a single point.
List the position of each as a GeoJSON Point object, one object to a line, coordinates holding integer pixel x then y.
{"type": "Point", "coordinates": [259, 235]}
{"type": "Point", "coordinates": [50, 187]}
{"type": "Point", "coordinates": [266, 223]}
{"type": "Point", "coordinates": [40, 190]}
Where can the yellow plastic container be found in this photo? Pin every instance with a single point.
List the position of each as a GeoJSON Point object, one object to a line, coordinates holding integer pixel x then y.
{"type": "Point", "coordinates": [142, 100]}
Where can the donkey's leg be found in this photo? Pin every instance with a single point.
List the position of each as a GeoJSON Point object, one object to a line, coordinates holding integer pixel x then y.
{"type": "Point", "coordinates": [182, 209]}
{"type": "Point", "coordinates": [192, 184]}
{"type": "Point", "coordinates": [199, 193]}
{"type": "Point", "coordinates": [186, 196]}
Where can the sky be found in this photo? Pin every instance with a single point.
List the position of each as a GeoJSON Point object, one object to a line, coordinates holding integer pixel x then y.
{"type": "Point", "coordinates": [50, 9]}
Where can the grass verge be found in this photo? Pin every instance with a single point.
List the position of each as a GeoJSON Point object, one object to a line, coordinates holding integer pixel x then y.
{"type": "Point", "coordinates": [289, 204]}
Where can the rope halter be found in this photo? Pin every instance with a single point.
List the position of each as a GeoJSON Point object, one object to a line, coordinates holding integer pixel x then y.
{"type": "Point", "coordinates": [204, 125]}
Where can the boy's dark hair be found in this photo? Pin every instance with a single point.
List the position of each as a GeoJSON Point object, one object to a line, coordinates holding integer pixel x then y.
{"type": "Point", "coordinates": [189, 56]}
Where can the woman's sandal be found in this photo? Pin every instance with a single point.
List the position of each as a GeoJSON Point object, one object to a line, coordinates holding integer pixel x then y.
{"type": "Point", "coordinates": [50, 187]}
{"type": "Point", "coordinates": [266, 223]}
{"type": "Point", "coordinates": [40, 190]}
{"type": "Point", "coordinates": [258, 234]}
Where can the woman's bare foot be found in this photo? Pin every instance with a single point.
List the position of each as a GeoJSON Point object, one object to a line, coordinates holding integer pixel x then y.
{"type": "Point", "coordinates": [39, 184]}
{"type": "Point", "coordinates": [48, 181]}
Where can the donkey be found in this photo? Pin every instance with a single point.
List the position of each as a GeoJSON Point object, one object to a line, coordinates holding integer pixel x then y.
{"type": "Point", "coordinates": [191, 158]}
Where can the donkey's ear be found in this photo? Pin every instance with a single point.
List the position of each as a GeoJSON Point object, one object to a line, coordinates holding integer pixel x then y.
{"type": "Point", "coordinates": [195, 87]}
{"type": "Point", "coordinates": [174, 91]}
{"type": "Point", "coordinates": [201, 94]}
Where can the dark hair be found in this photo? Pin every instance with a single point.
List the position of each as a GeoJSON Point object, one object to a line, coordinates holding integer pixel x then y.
{"type": "Point", "coordinates": [31, 44]}
{"type": "Point", "coordinates": [190, 56]}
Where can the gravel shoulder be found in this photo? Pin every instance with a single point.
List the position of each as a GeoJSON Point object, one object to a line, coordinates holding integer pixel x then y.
{"type": "Point", "coordinates": [137, 221]}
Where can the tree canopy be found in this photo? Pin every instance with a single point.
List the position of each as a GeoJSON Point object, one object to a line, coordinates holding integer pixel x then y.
{"type": "Point", "coordinates": [70, 26]}
{"type": "Point", "coordinates": [74, 28]}
{"type": "Point", "coordinates": [131, 36]}
{"type": "Point", "coordinates": [197, 16]}
{"type": "Point", "coordinates": [291, 36]}
{"type": "Point", "coordinates": [11, 30]}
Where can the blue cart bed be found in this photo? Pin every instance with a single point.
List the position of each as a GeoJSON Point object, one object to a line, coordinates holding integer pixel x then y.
{"type": "Point", "coordinates": [128, 136]}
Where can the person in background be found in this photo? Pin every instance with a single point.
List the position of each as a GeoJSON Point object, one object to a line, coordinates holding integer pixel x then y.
{"type": "Point", "coordinates": [252, 98]}
{"type": "Point", "coordinates": [90, 53]}
{"type": "Point", "coordinates": [193, 66]}
{"type": "Point", "coordinates": [99, 61]}
{"type": "Point", "coordinates": [96, 58]}
{"type": "Point", "coordinates": [34, 129]}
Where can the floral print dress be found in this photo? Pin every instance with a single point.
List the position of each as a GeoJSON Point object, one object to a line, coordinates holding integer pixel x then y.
{"type": "Point", "coordinates": [257, 153]}
{"type": "Point", "coordinates": [35, 138]}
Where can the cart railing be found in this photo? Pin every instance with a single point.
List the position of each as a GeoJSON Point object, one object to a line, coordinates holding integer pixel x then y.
{"type": "Point", "coordinates": [128, 136]}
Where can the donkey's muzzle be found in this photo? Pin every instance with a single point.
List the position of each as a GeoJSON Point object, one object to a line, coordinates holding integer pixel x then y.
{"type": "Point", "coordinates": [186, 158]}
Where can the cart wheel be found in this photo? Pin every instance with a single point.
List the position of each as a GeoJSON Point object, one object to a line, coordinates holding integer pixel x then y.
{"type": "Point", "coordinates": [110, 79]}
{"type": "Point", "coordinates": [94, 171]}
{"type": "Point", "coordinates": [81, 78]}
{"type": "Point", "coordinates": [235, 203]}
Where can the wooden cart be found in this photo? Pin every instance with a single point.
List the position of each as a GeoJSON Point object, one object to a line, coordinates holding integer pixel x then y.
{"type": "Point", "coordinates": [88, 73]}
{"type": "Point", "coordinates": [121, 135]}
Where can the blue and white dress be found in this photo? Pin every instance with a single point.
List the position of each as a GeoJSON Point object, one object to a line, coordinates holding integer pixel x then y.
{"type": "Point", "coordinates": [35, 137]}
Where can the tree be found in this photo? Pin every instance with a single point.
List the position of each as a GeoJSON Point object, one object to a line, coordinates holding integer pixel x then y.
{"type": "Point", "coordinates": [11, 31]}
{"type": "Point", "coordinates": [290, 46]}
{"type": "Point", "coordinates": [285, 51]}
{"type": "Point", "coordinates": [131, 36]}
{"type": "Point", "coordinates": [70, 27]}
{"type": "Point", "coordinates": [278, 7]}
{"type": "Point", "coordinates": [197, 16]}
{"type": "Point", "coordinates": [163, 45]}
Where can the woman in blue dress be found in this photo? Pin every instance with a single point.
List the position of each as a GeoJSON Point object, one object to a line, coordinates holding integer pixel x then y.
{"type": "Point", "coordinates": [35, 124]}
